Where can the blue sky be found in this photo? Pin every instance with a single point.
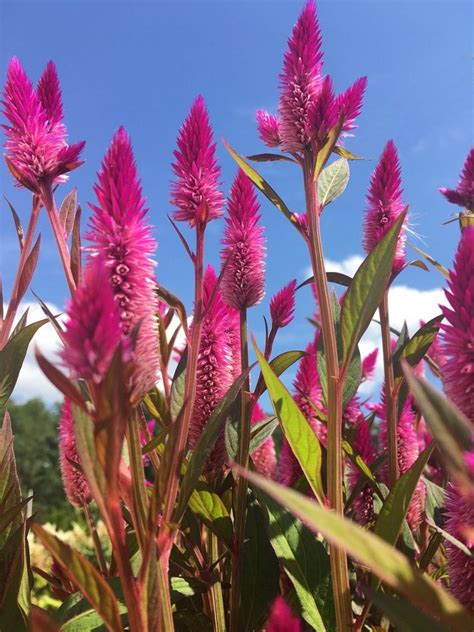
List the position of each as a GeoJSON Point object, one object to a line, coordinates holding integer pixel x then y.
{"type": "Point", "coordinates": [141, 64]}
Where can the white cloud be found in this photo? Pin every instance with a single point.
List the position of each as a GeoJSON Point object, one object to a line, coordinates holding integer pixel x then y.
{"type": "Point", "coordinates": [347, 266]}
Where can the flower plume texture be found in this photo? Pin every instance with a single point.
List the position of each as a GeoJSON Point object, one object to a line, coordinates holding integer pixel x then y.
{"type": "Point", "coordinates": [232, 468]}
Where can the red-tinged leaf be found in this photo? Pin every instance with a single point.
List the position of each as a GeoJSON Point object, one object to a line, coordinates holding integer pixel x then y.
{"type": "Point", "coordinates": [21, 324]}
{"type": "Point", "coordinates": [40, 621]}
{"type": "Point", "coordinates": [173, 301]}
{"type": "Point", "coordinates": [60, 381]}
{"type": "Point", "coordinates": [332, 277]}
{"type": "Point", "coordinates": [83, 575]}
{"type": "Point", "coordinates": [19, 228]}
{"type": "Point", "coordinates": [29, 269]}
{"type": "Point", "coordinates": [49, 314]}
{"type": "Point", "coordinates": [433, 262]}
{"type": "Point", "coordinates": [269, 157]}
{"type": "Point", "coordinates": [16, 173]}
{"type": "Point", "coordinates": [182, 239]}
{"type": "Point", "coordinates": [76, 266]}
{"type": "Point", "coordinates": [67, 212]}
{"type": "Point", "coordinates": [11, 359]}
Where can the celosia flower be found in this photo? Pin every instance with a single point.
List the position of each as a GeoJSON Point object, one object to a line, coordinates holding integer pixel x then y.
{"type": "Point", "coordinates": [323, 113]}
{"type": "Point", "coordinates": [36, 146]}
{"type": "Point", "coordinates": [368, 365]}
{"type": "Point", "coordinates": [460, 524]}
{"type": "Point", "coordinates": [122, 240]}
{"type": "Point", "coordinates": [307, 392]}
{"type": "Point", "coordinates": [463, 195]}
{"type": "Point", "coordinates": [93, 328]}
{"type": "Point", "coordinates": [214, 369]}
{"type": "Point", "coordinates": [364, 502]}
{"type": "Point", "coordinates": [232, 331]}
{"type": "Point", "coordinates": [385, 204]}
{"type": "Point", "coordinates": [264, 457]}
{"type": "Point", "coordinates": [407, 453]}
{"type": "Point", "coordinates": [195, 192]}
{"type": "Point", "coordinates": [458, 328]}
{"type": "Point", "coordinates": [300, 81]}
{"type": "Point", "coordinates": [268, 128]}
{"type": "Point", "coordinates": [75, 485]}
{"type": "Point", "coordinates": [243, 281]}
{"type": "Point", "coordinates": [282, 305]}
{"type": "Point", "coordinates": [281, 618]}
{"type": "Point", "coordinates": [349, 103]}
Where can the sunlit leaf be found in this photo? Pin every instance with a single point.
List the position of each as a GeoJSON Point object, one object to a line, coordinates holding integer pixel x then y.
{"type": "Point", "coordinates": [333, 181]}
{"type": "Point", "coordinates": [209, 508]}
{"type": "Point", "coordinates": [279, 364]}
{"type": "Point", "coordinates": [269, 157]}
{"type": "Point", "coordinates": [414, 350]}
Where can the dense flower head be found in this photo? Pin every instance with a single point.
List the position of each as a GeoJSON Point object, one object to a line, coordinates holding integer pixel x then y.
{"type": "Point", "coordinates": [349, 104]}
{"type": "Point", "coordinates": [463, 195]}
{"type": "Point", "coordinates": [457, 337]}
{"type": "Point", "coordinates": [323, 113]}
{"type": "Point", "coordinates": [122, 239]}
{"type": "Point", "coordinates": [195, 192]}
{"type": "Point", "coordinates": [75, 485]}
{"type": "Point", "coordinates": [369, 363]}
{"type": "Point", "coordinates": [264, 457]}
{"type": "Point", "coordinates": [300, 81]}
{"type": "Point", "coordinates": [268, 128]}
{"type": "Point", "coordinates": [243, 254]}
{"type": "Point", "coordinates": [460, 524]}
{"type": "Point", "coordinates": [282, 305]}
{"type": "Point", "coordinates": [214, 369]}
{"type": "Point", "coordinates": [364, 502]}
{"type": "Point", "coordinates": [36, 146]}
{"type": "Point", "coordinates": [385, 204]}
{"type": "Point", "coordinates": [281, 618]}
{"type": "Point", "coordinates": [93, 327]}
{"type": "Point", "coordinates": [232, 330]}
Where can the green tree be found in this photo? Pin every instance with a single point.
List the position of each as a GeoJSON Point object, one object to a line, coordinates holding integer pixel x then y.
{"type": "Point", "coordinates": [35, 428]}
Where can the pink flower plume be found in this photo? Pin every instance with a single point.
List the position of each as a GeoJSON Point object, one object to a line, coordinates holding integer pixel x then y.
{"type": "Point", "coordinates": [457, 330]}
{"type": "Point", "coordinates": [36, 137]}
{"type": "Point", "coordinates": [195, 192]}
{"type": "Point", "coordinates": [368, 364]}
{"type": "Point", "coordinates": [122, 239]}
{"type": "Point", "coordinates": [364, 502]}
{"type": "Point", "coordinates": [463, 195]}
{"type": "Point", "coordinates": [243, 282]}
{"type": "Point", "coordinates": [93, 328]}
{"type": "Point", "coordinates": [281, 618]}
{"type": "Point", "coordinates": [264, 457]}
{"type": "Point", "coordinates": [75, 485]}
{"type": "Point", "coordinates": [282, 305]}
{"type": "Point", "coordinates": [300, 81]}
{"type": "Point", "coordinates": [349, 103]}
{"type": "Point", "coordinates": [268, 128]}
{"type": "Point", "coordinates": [384, 204]}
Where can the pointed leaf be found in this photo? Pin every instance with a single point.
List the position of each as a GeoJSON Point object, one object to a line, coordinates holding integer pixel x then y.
{"type": "Point", "coordinates": [67, 212]}
{"type": "Point", "coordinates": [76, 265]}
{"type": "Point", "coordinates": [279, 364]}
{"type": "Point", "coordinates": [269, 157]}
{"type": "Point", "coordinates": [415, 349]}
{"type": "Point", "coordinates": [345, 153]}
{"type": "Point", "coordinates": [29, 269]}
{"type": "Point", "coordinates": [210, 509]}
{"type": "Point", "coordinates": [19, 228]}
{"type": "Point", "coordinates": [433, 262]}
{"type": "Point", "coordinates": [333, 181]}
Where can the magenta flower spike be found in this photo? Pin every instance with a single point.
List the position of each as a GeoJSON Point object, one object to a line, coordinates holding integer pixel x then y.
{"type": "Point", "coordinates": [282, 306]}
{"type": "Point", "coordinates": [463, 195]}
{"type": "Point", "coordinates": [300, 81]}
{"type": "Point", "coordinates": [349, 104]}
{"type": "Point", "coordinates": [243, 281]}
{"type": "Point", "coordinates": [323, 113]}
{"type": "Point", "coordinates": [264, 457]}
{"type": "Point", "coordinates": [93, 327]}
{"type": "Point", "coordinates": [214, 369]}
{"type": "Point", "coordinates": [268, 128]}
{"type": "Point", "coordinates": [195, 193]}
{"type": "Point", "coordinates": [364, 502]}
{"type": "Point", "coordinates": [122, 239]}
{"type": "Point", "coordinates": [36, 149]}
{"type": "Point", "coordinates": [75, 485]}
{"type": "Point", "coordinates": [233, 340]}
{"type": "Point", "coordinates": [384, 204]}
{"type": "Point", "coordinates": [281, 618]}
{"type": "Point", "coordinates": [457, 330]}
{"type": "Point", "coordinates": [368, 364]}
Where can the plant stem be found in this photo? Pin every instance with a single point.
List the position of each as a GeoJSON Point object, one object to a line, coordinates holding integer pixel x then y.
{"type": "Point", "coordinates": [338, 557]}
{"type": "Point", "coordinates": [242, 484]}
{"type": "Point", "coordinates": [218, 612]}
{"type": "Point", "coordinates": [95, 539]}
{"type": "Point", "coordinates": [390, 396]}
{"type": "Point", "coordinates": [58, 232]}
{"type": "Point", "coordinates": [15, 299]}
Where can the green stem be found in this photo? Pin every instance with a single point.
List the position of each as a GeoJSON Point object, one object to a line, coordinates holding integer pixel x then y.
{"type": "Point", "coordinates": [218, 611]}
{"type": "Point", "coordinates": [390, 395]}
{"type": "Point", "coordinates": [338, 557]}
{"type": "Point", "coordinates": [95, 539]}
{"type": "Point", "coordinates": [242, 485]}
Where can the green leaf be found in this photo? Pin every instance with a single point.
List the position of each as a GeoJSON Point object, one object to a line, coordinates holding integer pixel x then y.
{"type": "Point", "coordinates": [259, 433]}
{"type": "Point", "coordinates": [345, 153]}
{"type": "Point", "coordinates": [366, 290]}
{"type": "Point", "coordinates": [178, 385]}
{"type": "Point", "coordinates": [261, 184]}
{"type": "Point", "coordinates": [391, 566]}
{"type": "Point", "coordinates": [304, 560]}
{"type": "Point", "coordinates": [303, 441]}
{"type": "Point", "coordinates": [260, 575]}
{"type": "Point", "coordinates": [11, 360]}
{"type": "Point", "coordinates": [279, 364]}
{"type": "Point", "coordinates": [269, 157]}
{"type": "Point", "coordinates": [435, 499]}
{"type": "Point", "coordinates": [326, 150]}
{"type": "Point", "coordinates": [451, 430]}
{"type": "Point", "coordinates": [402, 614]}
{"type": "Point", "coordinates": [205, 445]}
{"type": "Point", "coordinates": [416, 348]}
{"type": "Point", "coordinates": [333, 181]}
{"type": "Point", "coordinates": [210, 509]}
{"type": "Point", "coordinates": [185, 587]}
{"type": "Point", "coordinates": [85, 576]}
{"type": "Point", "coordinates": [433, 262]}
